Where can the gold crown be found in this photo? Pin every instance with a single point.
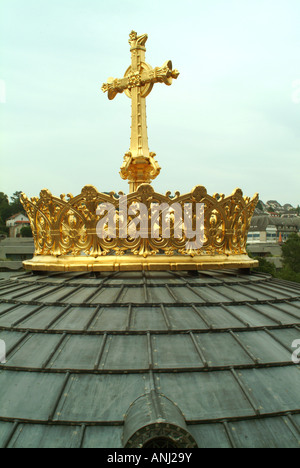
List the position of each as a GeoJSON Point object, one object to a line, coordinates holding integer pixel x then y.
{"type": "Point", "coordinates": [65, 230]}
{"type": "Point", "coordinates": [66, 239]}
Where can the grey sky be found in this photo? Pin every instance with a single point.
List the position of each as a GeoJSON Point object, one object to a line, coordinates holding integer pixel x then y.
{"type": "Point", "coordinates": [231, 119]}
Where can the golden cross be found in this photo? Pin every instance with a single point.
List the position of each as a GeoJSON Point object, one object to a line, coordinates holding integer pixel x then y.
{"type": "Point", "coordinates": [139, 165]}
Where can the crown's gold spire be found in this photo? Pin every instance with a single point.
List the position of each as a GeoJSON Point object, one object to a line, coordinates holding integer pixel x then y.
{"type": "Point", "coordinates": [139, 165]}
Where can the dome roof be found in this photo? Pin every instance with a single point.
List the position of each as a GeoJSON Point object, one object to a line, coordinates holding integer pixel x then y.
{"type": "Point", "coordinates": [210, 355]}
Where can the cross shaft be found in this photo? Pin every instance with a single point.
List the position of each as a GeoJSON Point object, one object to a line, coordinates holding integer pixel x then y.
{"type": "Point", "coordinates": [139, 165]}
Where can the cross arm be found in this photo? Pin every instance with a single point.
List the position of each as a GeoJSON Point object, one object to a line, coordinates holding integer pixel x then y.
{"type": "Point", "coordinates": [163, 74]}
{"type": "Point", "coordinates": [114, 86]}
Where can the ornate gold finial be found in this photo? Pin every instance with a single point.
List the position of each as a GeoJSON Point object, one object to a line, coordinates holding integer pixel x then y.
{"type": "Point", "coordinates": [139, 165]}
{"type": "Point", "coordinates": [145, 230]}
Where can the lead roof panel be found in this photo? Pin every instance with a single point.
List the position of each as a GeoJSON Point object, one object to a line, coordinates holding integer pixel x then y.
{"type": "Point", "coordinates": [210, 435]}
{"type": "Point", "coordinates": [99, 397]}
{"type": "Point", "coordinates": [124, 352]}
{"type": "Point", "coordinates": [35, 436]}
{"type": "Point", "coordinates": [265, 348]}
{"type": "Point", "coordinates": [28, 395]}
{"type": "Point", "coordinates": [264, 433]}
{"type": "Point", "coordinates": [222, 349]}
{"type": "Point", "coordinates": [275, 388]}
{"type": "Point", "coordinates": [76, 352]}
{"type": "Point", "coordinates": [175, 351]}
{"type": "Point", "coordinates": [146, 318]}
{"type": "Point", "coordinates": [103, 437]}
{"type": "Point", "coordinates": [209, 396]}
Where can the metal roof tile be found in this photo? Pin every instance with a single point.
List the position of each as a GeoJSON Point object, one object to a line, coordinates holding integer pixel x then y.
{"type": "Point", "coordinates": [33, 351]}
{"type": "Point", "coordinates": [205, 395]}
{"type": "Point", "coordinates": [210, 435]}
{"type": "Point", "coordinates": [221, 349]}
{"type": "Point", "coordinates": [125, 352]}
{"type": "Point", "coordinates": [77, 352]}
{"type": "Point", "coordinates": [148, 318]}
{"type": "Point", "coordinates": [28, 395]}
{"type": "Point", "coordinates": [276, 388]}
{"type": "Point", "coordinates": [110, 318]}
{"type": "Point", "coordinates": [74, 318]}
{"type": "Point", "coordinates": [43, 436]}
{"type": "Point", "coordinates": [10, 338]}
{"type": "Point", "coordinates": [99, 397]}
{"type": "Point", "coordinates": [103, 437]}
{"type": "Point", "coordinates": [174, 351]}
{"type": "Point", "coordinates": [185, 318]}
{"type": "Point", "coordinates": [264, 347]}
{"type": "Point", "coordinates": [5, 430]}
{"type": "Point", "coordinates": [287, 336]}
{"type": "Point", "coordinates": [15, 312]}
{"type": "Point", "coordinates": [40, 319]}
{"type": "Point", "coordinates": [264, 433]}
{"type": "Point", "coordinates": [218, 317]}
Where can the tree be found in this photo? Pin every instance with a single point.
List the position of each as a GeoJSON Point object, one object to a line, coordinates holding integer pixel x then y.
{"type": "Point", "coordinates": [8, 209]}
{"type": "Point", "coordinates": [288, 274]}
{"type": "Point", "coordinates": [5, 212]}
{"type": "Point", "coordinates": [260, 206]}
{"type": "Point", "coordinates": [26, 231]}
{"type": "Point", "coordinates": [16, 204]}
{"type": "Point", "coordinates": [265, 266]}
{"type": "Point", "coordinates": [291, 253]}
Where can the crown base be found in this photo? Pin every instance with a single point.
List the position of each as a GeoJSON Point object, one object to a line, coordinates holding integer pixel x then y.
{"type": "Point", "coordinates": [137, 263]}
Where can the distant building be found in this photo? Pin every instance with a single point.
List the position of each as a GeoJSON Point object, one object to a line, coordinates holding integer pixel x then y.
{"type": "Point", "coordinates": [273, 208]}
{"type": "Point", "coordinates": [267, 234]}
{"type": "Point", "coordinates": [15, 250]}
{"type": "Point", "coordinates": [272, 229]}
{"type": "Point", "coordinates": [15, 224]}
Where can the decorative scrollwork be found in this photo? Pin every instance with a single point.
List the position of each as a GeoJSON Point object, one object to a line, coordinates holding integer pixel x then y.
{"type": "Point", "coordinates": [63, 226]}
